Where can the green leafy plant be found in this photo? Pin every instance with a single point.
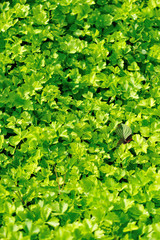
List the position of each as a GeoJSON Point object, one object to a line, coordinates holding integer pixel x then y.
{"type": "Point", "coordinates": [70, 72]}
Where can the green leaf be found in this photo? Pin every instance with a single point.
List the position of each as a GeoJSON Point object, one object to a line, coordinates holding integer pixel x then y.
{"type": "Point", "coordinates": [63, 206]}
{"type": "Point", "coordinates": [104, 20]}
{"type": "Point", "coordinates": [131, 227]}
{"type": "Point", "coordinates": [119, 131]}
{"type": "Point", "coordinates": [54, 222]}
{"type": "Point", "coordinates": [46, 211]}
{"type": "Point", "coordinates": [134, 67]}
{"type": "Point", "coordinates": [40, 15]}
{"type": "Point", "coordinates": [123, 131]}
{"type": "Point", "coordinates": [139, 144]}
{"type": "Point", "coordinates": [14, 140]}
{"type": "Point", "coordinates": [1, 141]}
{"type": "Point", "coordinates": [126, 131]}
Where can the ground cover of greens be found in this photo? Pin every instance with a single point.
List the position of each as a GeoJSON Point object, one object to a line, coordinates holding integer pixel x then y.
{"type": "Point", "coordinates": [70, 72]}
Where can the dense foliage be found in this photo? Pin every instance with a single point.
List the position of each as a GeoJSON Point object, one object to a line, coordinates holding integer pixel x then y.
{"type": "Point", "coordinates": [70, 72]}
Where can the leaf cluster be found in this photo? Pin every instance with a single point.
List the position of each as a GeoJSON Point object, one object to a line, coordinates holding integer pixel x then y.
{"type": "Point", "coordinates": [70, 72]}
